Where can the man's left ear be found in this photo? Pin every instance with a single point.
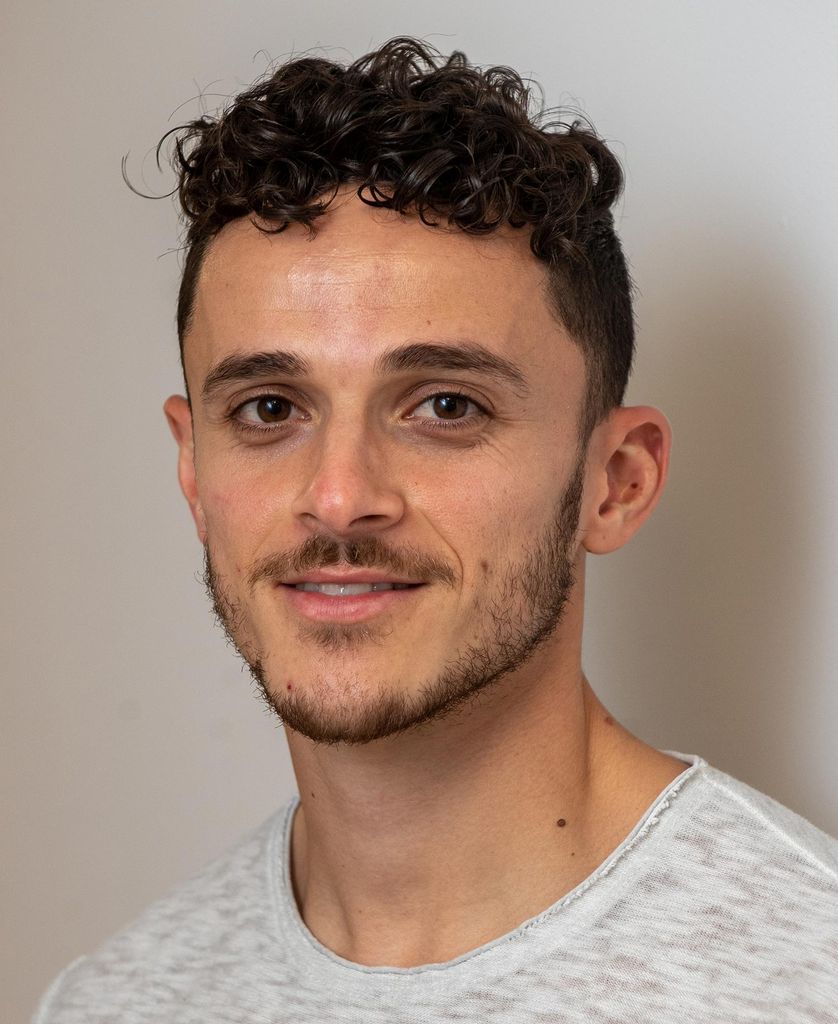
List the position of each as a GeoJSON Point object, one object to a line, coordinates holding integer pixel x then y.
{"type": "Point", "coordinates": [628, 459]}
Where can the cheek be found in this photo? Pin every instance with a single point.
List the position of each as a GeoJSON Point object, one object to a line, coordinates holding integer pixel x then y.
{"type": "Point", "coordinates": [484, 521]}
{"type": "Point", "coordinates": [236, 512]}
{"type": "Point", "coordinates": [500, 521]}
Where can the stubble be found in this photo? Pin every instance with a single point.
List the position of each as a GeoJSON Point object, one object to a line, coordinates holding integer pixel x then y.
{"type": "Point", "coordinates": [517, 614]}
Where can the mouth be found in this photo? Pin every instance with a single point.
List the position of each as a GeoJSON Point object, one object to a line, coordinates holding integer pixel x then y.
{"type": "Point", "coordinates": [348, 589]}
{"type": "Point", "coordinates": [348, 602]}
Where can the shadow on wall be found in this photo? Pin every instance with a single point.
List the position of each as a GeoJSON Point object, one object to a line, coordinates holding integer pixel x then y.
{"type": "Point", "coordinates": [718, 596]}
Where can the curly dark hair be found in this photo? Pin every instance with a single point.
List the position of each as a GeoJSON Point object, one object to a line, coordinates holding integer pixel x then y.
{"type": "Point", "coordinates": [427, 135]}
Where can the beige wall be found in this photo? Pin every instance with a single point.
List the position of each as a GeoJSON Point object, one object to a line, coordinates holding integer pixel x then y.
{"type": "Point", "coordinates": [132, 748]}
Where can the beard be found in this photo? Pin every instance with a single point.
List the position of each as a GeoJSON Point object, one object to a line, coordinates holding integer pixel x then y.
{"type": "Point", "coordinates": [521, 612]}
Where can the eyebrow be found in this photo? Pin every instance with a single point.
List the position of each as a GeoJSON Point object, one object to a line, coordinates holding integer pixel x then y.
{"type": "Point", "coordinates": [467, 355]}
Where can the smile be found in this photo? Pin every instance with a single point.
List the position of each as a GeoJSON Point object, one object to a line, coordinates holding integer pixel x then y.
{"type": "Point", "coordinates": [348, 589]}
{"type": "Point", "coordinates": [348, 602]}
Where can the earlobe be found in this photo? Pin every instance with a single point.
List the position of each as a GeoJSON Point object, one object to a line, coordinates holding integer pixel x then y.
{"type": "Point", "coordinates": [631, 462]}
{"type": "Point", "coordinates": [179, 417]}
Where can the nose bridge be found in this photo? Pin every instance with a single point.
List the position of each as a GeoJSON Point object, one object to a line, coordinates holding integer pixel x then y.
{"type": "Point", "coordinates": [348, 478]}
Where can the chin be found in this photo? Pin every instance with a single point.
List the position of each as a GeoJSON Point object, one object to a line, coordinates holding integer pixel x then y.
{"type": "Point", "coordinates": [340, 708]}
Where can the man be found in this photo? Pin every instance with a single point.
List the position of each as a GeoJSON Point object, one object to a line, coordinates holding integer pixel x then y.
{"type": "Point", "coordinates": [406, 331]}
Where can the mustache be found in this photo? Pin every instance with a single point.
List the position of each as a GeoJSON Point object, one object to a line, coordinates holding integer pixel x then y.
{"type": "Point", "coordinates": [318, 551]}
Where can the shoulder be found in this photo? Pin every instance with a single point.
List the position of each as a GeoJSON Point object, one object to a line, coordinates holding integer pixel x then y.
{"type": "Point", "coordinates": [748, 885]}
{"type": "Point", "coordinates": [758, 828]}
{"type": "Point", "coordinates": [725, 902]}
{"type": "Point", "coordinates": [163, 954]}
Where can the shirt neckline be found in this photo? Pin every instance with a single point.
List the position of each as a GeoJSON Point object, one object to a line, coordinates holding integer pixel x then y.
{"type": "Point", "coordinates": [310, 955]}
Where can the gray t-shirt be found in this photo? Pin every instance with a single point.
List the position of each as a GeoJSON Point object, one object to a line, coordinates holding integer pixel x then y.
{"type": "Point", "coordinates": [720, 906]}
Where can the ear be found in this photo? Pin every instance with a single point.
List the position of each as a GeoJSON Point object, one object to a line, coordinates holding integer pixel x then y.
{"type": "Point", "coordinates": [179, 416]}
{"type": "Point", "coordinates": [628, 459]}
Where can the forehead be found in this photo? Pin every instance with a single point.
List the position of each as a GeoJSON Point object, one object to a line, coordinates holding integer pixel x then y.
{"type": "Point", "coordinates": [367, 278]}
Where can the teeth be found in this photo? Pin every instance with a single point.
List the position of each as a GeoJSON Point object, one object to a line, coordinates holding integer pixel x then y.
{"type": "Point", "coordinates": [347, 589]}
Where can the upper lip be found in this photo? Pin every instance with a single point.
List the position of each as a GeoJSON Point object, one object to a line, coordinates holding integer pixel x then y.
{"type": "Point", "coordinates": [347, 576]}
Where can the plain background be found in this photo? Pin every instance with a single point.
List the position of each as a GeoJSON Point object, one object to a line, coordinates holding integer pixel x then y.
{"type": "Point", "coordinates": [133, 749]}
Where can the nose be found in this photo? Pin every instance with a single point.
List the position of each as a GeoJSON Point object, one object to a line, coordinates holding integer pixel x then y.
{"type": "Point", "coordinates": [347, 483]}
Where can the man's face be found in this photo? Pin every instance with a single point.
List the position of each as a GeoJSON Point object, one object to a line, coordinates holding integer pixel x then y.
{"type": "Point", "coordinates": [419, 426]}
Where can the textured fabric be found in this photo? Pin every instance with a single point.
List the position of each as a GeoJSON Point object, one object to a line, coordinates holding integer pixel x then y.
{"type": "Point", "coordinates": [721, 906]}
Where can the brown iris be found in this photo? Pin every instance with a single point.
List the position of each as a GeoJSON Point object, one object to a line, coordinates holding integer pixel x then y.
{"type": "Point", "coordinates": [274, 408]}
{"type": "Point", "coordinates": [445, 405]}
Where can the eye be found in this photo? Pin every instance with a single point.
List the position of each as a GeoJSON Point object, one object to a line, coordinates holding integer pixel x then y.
{"type": "Point", "coordinates": [450, 409]}
{"type": "Point", "coordinates": [262, 412]}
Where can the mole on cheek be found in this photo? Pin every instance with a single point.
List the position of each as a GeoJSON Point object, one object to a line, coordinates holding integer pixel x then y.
{"type": "Point", "coordinates": [561, 823]}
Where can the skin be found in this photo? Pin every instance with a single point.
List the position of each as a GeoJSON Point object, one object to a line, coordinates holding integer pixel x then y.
{"type": "Point", "coordinates": [419, 845]}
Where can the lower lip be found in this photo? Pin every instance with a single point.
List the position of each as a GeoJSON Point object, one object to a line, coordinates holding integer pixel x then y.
{"type": "Point", "coordinates": [353, 608]}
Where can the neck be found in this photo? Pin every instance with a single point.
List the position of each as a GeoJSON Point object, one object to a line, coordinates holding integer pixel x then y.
{"type": "Point", "coordinates": [423, 846]}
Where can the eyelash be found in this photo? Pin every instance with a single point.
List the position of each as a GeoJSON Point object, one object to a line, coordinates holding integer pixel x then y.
{"type": "Point", "coordinates": [446, 425]}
